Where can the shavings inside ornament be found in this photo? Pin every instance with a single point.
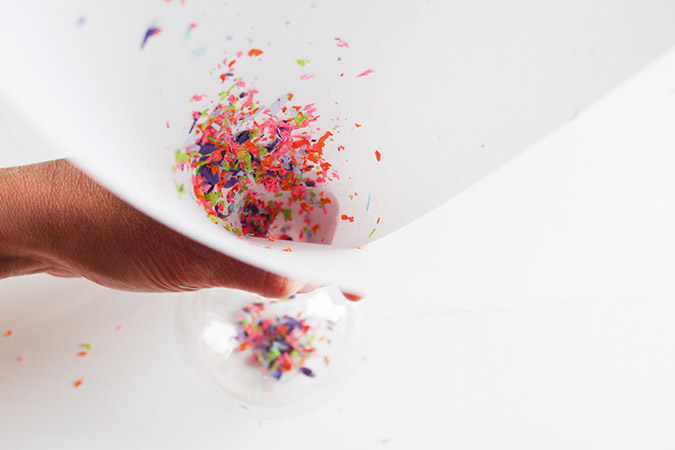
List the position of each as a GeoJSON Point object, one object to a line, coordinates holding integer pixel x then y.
{"type": "Point", "coordinates": [278, 344]}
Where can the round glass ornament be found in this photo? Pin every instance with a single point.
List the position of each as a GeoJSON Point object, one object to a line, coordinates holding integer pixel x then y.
{"type": "Point", "coordinates": [270, 358]}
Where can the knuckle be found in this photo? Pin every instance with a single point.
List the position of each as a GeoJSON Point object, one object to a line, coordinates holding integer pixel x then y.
{"type": "Point", "coordinates": [276, 286]}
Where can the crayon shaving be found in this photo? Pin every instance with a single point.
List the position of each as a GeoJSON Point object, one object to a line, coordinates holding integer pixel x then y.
{"type": "Point", "coordinates": [278, 344]}
{"type": "Point", "coordinates": [152, 31]}
{"type": "Point", "coordinates": [341, 43]}
{"type": "Point", "coordinates": [258, 170]}
{"type": "Point", "coordinates": [189, 29]}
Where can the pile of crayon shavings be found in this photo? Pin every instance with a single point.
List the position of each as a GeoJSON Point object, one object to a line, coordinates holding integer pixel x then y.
{"type": "Point", "coordinates": [257, 168]}
{"type": "Point", "coordinates": [279, 344]}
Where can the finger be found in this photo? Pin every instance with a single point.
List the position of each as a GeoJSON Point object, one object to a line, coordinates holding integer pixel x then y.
{"type": "Point", "coordinates": [239, 275]}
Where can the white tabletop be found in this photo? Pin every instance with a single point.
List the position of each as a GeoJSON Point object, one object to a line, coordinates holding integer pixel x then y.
{"type": "Point", "coordinates": [590, 375]}
{"type": "Point", "coordinates": [538, 313]}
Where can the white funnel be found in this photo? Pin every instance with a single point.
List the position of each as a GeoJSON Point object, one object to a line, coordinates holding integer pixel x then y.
{"type": "Point", "coordinates": [444, 91]}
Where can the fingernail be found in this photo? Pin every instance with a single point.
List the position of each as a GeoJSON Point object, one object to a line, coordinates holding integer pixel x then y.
{"type": "Point", "coordinates": [308, 287]}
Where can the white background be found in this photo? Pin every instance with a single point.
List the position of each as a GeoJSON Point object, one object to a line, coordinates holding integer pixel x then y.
{"type": "Point", "coordinates": [536, 310]}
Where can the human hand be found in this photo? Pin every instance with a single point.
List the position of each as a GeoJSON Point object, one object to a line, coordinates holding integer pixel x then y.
{"type": "Point", "coordinates": [55, 219]}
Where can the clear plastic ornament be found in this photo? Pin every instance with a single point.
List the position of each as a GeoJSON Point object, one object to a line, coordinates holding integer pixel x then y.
{"type": "Point", "coordinates": [270, 358]}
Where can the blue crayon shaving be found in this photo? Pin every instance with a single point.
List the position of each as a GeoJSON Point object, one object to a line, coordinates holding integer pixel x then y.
{"type": "Point", "coordinates": [199, 51]}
